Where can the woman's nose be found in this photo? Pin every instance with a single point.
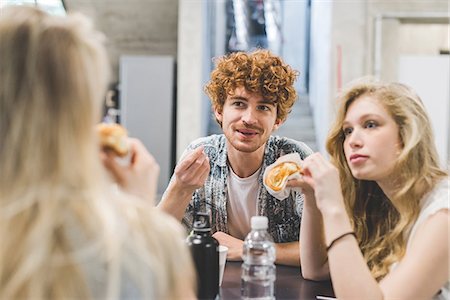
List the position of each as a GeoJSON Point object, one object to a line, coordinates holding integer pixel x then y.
{"type": "Point", "coordinates": [355, 139]}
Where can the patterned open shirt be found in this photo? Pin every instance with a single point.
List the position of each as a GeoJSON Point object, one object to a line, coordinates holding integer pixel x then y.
{"type": "Point", "coordinates": [284, 216]}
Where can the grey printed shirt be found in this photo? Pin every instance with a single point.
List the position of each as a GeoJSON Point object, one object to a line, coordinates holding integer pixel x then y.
{"type": "Point", "coordinates": [284, 216]}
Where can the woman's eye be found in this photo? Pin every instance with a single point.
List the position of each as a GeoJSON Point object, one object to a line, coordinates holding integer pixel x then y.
{"type": "Point", "coordinates": [347, 131]}
{"type": "Point", "coordinates": [238, 103]}
{"type": "Point", "coordinates": [263, 108]}
{"type": "Point", "coordinates": [371, 124]}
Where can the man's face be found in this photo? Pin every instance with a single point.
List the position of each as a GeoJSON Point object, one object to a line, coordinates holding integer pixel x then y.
{"type": "Point", "coordinates": [247, 120]}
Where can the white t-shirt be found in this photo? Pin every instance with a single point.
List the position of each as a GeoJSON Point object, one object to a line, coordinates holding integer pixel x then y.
{"type": "Point", "coordinates": [433, 202]}
{"type": "Point", "coordinates": [242, 201]}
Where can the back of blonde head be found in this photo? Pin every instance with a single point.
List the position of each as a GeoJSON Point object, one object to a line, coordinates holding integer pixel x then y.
{"type": "Point", "coordinates": [380, 223]}
{"type": "Point", "coordinates": [56, 214]}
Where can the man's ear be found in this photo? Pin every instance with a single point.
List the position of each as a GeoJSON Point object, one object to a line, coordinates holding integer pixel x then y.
{"type": "Point", "coordinates": [218, 115]}
{"type": "Point", "coordinates": [278, 123]}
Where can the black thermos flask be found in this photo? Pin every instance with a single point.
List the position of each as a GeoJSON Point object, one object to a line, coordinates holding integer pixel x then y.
{"type": "Point", "coordinates": [205, 252]}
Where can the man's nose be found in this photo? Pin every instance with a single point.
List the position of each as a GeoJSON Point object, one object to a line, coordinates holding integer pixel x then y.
{"type": "Point", "coordinates": [249, 116]}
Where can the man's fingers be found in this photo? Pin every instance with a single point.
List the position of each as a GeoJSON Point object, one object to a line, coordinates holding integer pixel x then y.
{"type": "Point", "coordinates": [194, 167]}
{"type": "Point", "coordinates": [197, 173]}
{"type": "Point", "coordinates": [191, 158]}
{"type": "Point", "coordinates": [204, 176]}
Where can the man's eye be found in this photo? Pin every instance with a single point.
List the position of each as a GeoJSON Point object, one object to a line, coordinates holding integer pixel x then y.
{"type": "Point", "coordinates": [264, 108]}
{"type": "Point", "coordinates": [238, 103]}
{"type": "Point", "coordinates": [347, 131]}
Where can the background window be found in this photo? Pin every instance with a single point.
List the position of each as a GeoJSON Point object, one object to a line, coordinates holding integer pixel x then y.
{"type": "Point", "coordinates": [55, 7]}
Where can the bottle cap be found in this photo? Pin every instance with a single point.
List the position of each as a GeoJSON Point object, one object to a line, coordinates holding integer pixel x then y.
{"type": "Point", "coordinates": [201, 222]}
{"type": "Point", "coordinates": [259, 222]}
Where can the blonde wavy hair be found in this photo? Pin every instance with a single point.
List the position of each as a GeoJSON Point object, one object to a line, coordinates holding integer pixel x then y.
{"type": "Point", "coordinates": [258, 72]}
{"type": "Point", "coordinates": [64, 232]}
{"type": "Point", "coordinates": [381, 223]}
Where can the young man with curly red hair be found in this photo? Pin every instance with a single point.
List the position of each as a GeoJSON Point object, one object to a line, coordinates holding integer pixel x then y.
{"type": "Point", "coordinates": [251, 94]}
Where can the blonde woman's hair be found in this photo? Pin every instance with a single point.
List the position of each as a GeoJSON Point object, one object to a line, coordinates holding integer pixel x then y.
{"type": "Point", "coordinates": [381, 223]}
{"type": "Point", "coordinates": [64, 234]}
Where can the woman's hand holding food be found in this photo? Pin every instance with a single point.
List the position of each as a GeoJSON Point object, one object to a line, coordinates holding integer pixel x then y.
{"type": "Point", "coordinates": [322, 178]}
{"type": "Point", "coordinates": [128, 161]}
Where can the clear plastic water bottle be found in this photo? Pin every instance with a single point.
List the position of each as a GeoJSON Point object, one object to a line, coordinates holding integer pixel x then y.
{"type": "Point", "coordinates": [205, 252]}
{"type": "Point", "coordinates": [258, 268]}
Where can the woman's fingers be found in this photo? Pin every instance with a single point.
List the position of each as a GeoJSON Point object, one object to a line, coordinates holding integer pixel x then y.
{"type": "Point", "coordinates": [139, 175]}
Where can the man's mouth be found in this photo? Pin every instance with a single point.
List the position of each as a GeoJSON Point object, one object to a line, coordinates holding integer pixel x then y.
{"type": "Point", "coordinates": [247, 132]}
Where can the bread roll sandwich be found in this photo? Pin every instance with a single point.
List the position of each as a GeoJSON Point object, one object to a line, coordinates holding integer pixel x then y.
{"type": "Point", "coordinates": [113, 137]}
{"type": "Point", "coordinates": [279, 174]}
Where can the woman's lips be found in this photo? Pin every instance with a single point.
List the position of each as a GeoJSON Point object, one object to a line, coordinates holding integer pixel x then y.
{"type": "Point", "coordinates": [358, 158]}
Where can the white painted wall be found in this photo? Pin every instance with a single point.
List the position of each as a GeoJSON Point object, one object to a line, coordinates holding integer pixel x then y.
{"type": "Point", "coordinates": [350, 26]}
{"type": "Point", "coordinates": [133, 27]}
{"type": "Point", "coordinates": [294, 39]}
{"type": "Point", "coordinates": [321, 79]}
{"type": "Point", "coordinates": [429, 77]}
{"type": "Point", "coordinates": [191, 52]}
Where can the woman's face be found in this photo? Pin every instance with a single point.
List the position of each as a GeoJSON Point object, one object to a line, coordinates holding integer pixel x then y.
{"type": "Point", "coordinates": [372, 142]}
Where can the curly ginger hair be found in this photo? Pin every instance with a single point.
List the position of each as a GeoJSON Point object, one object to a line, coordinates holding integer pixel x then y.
{"type": "Point", "coordinates": [259, 72]}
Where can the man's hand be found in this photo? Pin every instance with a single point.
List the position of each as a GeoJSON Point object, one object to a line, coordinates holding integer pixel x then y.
{"type": "Point", "coordinates": [234, 245]}
{"type": "Point", "coordinates": [191, 172]}
{"type": "Point", "coordinates": [287, 253]}
{"type": "Point", "coordinates": [140, 176]}
{"type": "Point", "coordinates": [189, 175]}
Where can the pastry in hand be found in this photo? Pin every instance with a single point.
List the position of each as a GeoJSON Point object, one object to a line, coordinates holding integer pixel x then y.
{"type": "Point", "coordinates": [278, 175]}
{"type": "Point", "coordinates": [113, 137]}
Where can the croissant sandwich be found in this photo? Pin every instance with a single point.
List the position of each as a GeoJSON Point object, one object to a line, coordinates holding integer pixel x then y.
{"type": "Point", "coordinates": [277, 176]}
{"type": "Point", "coordinates": [113, 137]}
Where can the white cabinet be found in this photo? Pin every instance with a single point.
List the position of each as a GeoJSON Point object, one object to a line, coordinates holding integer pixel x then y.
{"type": "Point", "coordinates": [147, 107]}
